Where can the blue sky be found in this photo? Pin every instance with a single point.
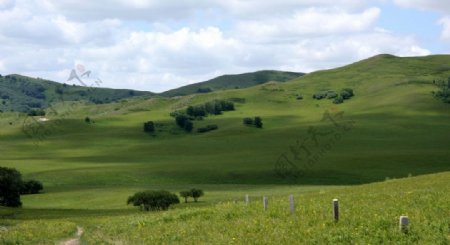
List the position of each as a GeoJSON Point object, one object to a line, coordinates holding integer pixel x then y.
{"type": "Point", "coordinates": [158, 45]}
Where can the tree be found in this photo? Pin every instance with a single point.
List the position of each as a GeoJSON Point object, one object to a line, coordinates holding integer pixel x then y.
{"type": "Point", "coordinates": [149, 127]}
{"type": "Point", "coordinates": [248, 121]}
{"type": "Point", "coordinates": [196, 193]}
{"type": "Point", "coordinates": [185, 195]}
{"type": "Point", "coordinates": [87, 120]}
{"type": "Point", "coordinates": [347, 93]}
{"type": "Point", "coordinates": [31, 187]}
{"type": "Point", "coordinates": [10, 187]}
{"type": "Point", "coordinates": [188, 126]}
{"type": "Point", "coordinates": [153, 200]}
{"type": "Point", "coordinates": [338, 100]}
{"type": "Point", "coordinates": [258, 122]}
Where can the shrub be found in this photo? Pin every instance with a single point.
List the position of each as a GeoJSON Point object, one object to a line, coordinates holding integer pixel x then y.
{"type": "Point", "coordinates": [258, 122]}
{"type": "Point", "coordinates": [347, 93]}
{"type": "Point", "coordinates": [31, 187]}
{"type": "Point", "coordinates": [331, 94]}
{"type": "Point", "coordinates": [204, 90]}
{"type": "Point", "coordinates": [38, 112]}
{"type": "Point", "coordinates": [10, 187]}
{"type": "Point", "coordinates": [87, 120]}
{"type": "Point", "coordinates": [149, 127]}
{"type": "Point", "coordinates": [196, 194]}
{"type": "Point", "coordinates": [188, 126]}
{"type": "Point", "coordinates": [338, 100]}
{"type": "Point", "coordinates": [153, 200]}
{"type": "Point", "coordinates": [319, 95]}
{"type": "Point", "coordinates": [207, 128]}
{"type": "Point", "coordinates": [299, 97]}
{"type": "Point", "coordinates": [248, 121]}
{"type": "Point", "coordinates": [185, 195]}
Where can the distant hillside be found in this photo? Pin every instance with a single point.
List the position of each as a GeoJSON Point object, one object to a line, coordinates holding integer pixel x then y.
{"type": "Point", "coordinates": [225, 82]}
{"type": "Point", "coordinates": [21, 93]}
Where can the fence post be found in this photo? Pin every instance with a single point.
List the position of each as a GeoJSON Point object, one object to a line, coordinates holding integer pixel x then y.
{"type": "Point", "coordinates": [291, 204]}
{"type": "Point", "coordinates": [403, 223]}
{"type": "Point", "coordinates": [265, 202]}
{"type": "Point", "coordinates": [336, 210]}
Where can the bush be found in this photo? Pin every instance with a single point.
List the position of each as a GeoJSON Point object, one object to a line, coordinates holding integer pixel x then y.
{"type": "Point", "coordinates": [31, 187]}
{"type": "Point", "coordinates": [258, 122]}
{"type": "Point", "coordinates": [338, 100]}
{"type": "Point", "coordinates": [149, 127]}
{"type": "Point", "coordinates": [188, 126]}
{"type": "Point", "coordinates": [299, 97]}
{"type": "Point", "coordinates": [204, 90]}
{"type": "Point", "coordinates": [248, 121]}
{"type": "Point", "coordinates": [38, 112]}
{"type": "Point", "coordinates": [347, 93]}
{"type": "Point", "coordinates": [196, 194]}
{"type": "Point", "coordinates": [207, 128]}
{"type": "Point", "coordinates": [331, 95]}
{"type": "Point", "coordinates": [87, 120]}
{"type": "Point", "coordinates": [10, 187]}
{"type": "Point", "coordinates": [319, 95]}
{"type": "Point", "coordinates": [153, 200]}
{"type": "Point", "coordinates": [185, 195]}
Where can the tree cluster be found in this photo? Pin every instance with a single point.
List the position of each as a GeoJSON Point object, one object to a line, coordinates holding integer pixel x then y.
{"type": "Point", "coordinates": [215, 107]}
{"type": "Point", "coordinates": [12, 186]}
{"type": "Point", "coordinates": [337, 98]}
{"type": "Point", "coordinates": [194, 193]}
{"type": "Point", "coordinates": [153, 200]}
{"type": "Point", "coordinates": [256, 121]}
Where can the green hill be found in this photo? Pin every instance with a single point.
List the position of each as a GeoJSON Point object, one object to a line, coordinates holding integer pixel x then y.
{"type": "Point", "coordinates": [21, 93]}
{"type": "Point", "coordinates": [226, 82]}
{"type": "Point", "coordinates": [393, 127]}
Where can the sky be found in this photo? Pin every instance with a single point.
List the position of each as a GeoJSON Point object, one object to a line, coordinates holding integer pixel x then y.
{"type": "Point", "coordinates": [156, 45]}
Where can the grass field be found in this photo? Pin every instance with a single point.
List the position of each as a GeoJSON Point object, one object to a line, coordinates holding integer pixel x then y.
{"type": "Point", "coordinates": [397, 129]}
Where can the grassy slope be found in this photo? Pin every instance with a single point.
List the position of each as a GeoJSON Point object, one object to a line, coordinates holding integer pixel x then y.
{"type": "Point", "coordinates": [399, 129]}
{"type": "Point", "coordinates": [369, 215]}
{"type": "Point", "coordinates": [234, 81]}
{"type": "Point", "coordinates": [20, 93]}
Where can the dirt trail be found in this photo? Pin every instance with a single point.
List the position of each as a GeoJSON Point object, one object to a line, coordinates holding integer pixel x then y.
{"type": "Point", "coordinates": [76, 240]}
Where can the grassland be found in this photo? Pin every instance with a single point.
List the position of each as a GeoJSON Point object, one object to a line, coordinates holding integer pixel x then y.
{"type": "Point", "coordinates": [398, 130]}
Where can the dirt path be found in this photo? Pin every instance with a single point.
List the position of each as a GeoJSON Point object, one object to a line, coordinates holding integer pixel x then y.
{"type": "Point", "coordinates": [76, 240]}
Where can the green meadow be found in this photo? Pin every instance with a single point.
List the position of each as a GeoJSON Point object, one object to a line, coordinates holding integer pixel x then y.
{"type": "Point", "coordinates": [392, 128]}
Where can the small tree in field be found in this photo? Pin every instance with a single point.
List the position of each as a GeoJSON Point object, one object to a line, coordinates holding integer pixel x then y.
{"type": "Point", "coordinates": [153, 200]}
{"type": "Point", "coordinates": [185, 195]}
{"type": "Point", "coordinates": [258, 122]}
{"type": "Point", "coordinates": [10, 187]}
{"type": "Point", "coordinates": [196, 193]}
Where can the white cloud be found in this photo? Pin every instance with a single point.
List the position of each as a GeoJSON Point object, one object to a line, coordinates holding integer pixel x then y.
{"type": "Point", "coordinates": [172, 46]}
{"type": "Point", "coordinates": [308, 22]}
{"type": "Point", "coordinates": [440, 6]}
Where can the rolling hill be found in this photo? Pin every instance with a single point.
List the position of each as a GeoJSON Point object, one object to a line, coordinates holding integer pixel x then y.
{"type": "Point", "coordinates": [21, 93]}
{"type": "Point", "coordinates": [226, 82]}
{"type": "Point", "coordinates": [393, 127]}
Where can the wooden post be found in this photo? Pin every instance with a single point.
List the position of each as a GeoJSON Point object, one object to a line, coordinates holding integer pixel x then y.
{"type": "Point", "coordinates": [247, 199]}
{"type": "Point", "coordinates": [403, 223]}
{"type": "Point", "coordinates": [336, 209]}
{"type": "Point", "coordinates": [291, 204]}
{"type": "Point", "coordinates": [266, 202]}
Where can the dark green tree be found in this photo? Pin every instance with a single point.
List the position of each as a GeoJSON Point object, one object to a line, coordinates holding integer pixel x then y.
{"type": "Point", "coordinates": [149, 127]}
{"type": "Point", "coordinates": [10, 187]}
{"type": "Point", "coordinates": [258, 122]}
{"type": "Point", "coordinates": [153, 200]}
{"type": "Point", "coordinates": [196, 194]}
{"type": "Point", "coordinates": [185, 195]}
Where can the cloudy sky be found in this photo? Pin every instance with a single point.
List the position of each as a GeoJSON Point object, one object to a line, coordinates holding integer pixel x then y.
{"type": "Point", "coordinates": [157, 45]}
